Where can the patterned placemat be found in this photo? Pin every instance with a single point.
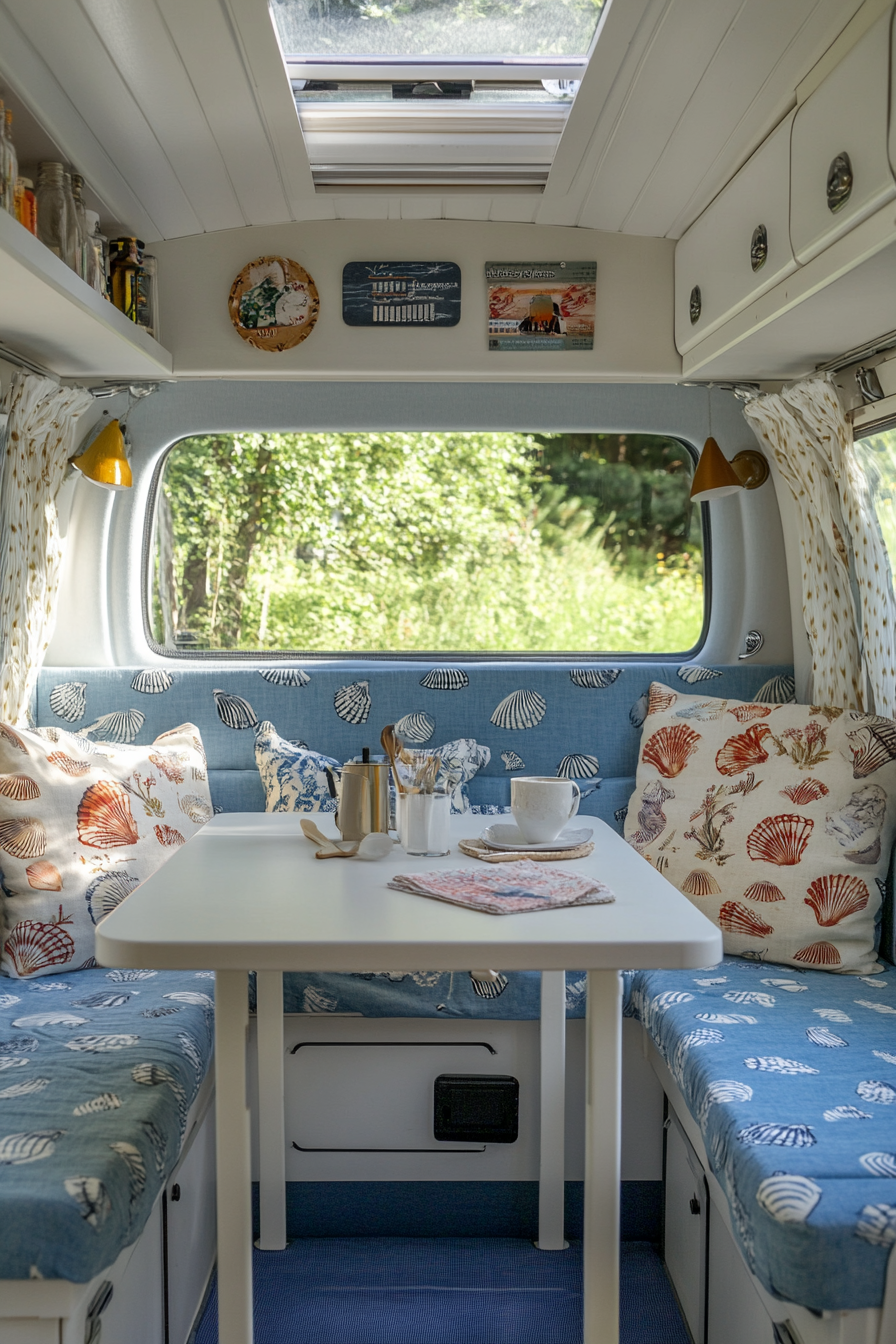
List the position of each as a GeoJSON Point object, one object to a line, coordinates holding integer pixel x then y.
{"type": "Point", "coordinates": [478, 849]}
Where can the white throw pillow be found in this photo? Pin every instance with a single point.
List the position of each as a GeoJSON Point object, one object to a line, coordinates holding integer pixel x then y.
{"type": "Point", "coordinates": [81, 824]}
{"type": "Point", "coordinates": [777, 821]}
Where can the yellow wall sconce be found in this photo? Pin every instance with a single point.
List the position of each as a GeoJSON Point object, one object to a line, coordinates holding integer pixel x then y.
{"type": "Point", "coordinates": [716, 477]}
{"type": "Point", "coordinates": [105, 461]}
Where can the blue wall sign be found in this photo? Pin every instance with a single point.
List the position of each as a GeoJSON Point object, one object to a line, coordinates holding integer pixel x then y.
{"type": "Point", "coordinates": [401, 294]}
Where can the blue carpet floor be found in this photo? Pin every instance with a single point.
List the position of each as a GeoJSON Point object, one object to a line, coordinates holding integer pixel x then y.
{"type": "Point", "coordinates": [448, 1290]}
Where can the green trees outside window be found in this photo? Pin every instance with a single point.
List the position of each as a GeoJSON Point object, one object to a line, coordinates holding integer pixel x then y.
{"type": "Point", "coordinates": [446, 542]}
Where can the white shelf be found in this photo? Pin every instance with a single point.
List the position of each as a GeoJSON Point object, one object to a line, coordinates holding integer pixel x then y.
{"type": "Point", "coordinates": [49, 315]}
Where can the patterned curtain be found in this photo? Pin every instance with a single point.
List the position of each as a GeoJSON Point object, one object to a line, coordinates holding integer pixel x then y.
{"type": "Point", "coordinates": [40, 438]}
{"type": "Point", "coordinates": [848, 600]}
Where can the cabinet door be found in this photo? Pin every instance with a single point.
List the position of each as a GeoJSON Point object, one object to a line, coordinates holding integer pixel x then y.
{"type": "Point", "coordinates": [840, 164]}
{"type": "Point", "coordinates": [739, 247]}
{"type": "Point", "coordinates": [686, 1219]}
{"type": "Point", "coordinates": [190, 1231]}
{"type": "Point", "coordinates": [735, 1313]}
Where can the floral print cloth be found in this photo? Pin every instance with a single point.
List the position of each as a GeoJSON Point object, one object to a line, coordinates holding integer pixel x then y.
{"type": "Point", "coordinates": [777, 821]}
{"type": "Point", "coordinates": [517, 888]}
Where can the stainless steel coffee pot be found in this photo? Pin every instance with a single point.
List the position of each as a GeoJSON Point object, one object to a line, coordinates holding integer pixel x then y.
{"type": "Point", "coordinates": [362, 794]}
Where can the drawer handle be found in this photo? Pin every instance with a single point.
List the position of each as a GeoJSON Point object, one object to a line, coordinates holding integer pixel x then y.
{"type": "Point", "coordinates": [175, 1193]}
{"type": "Point", "coordinates": [839, 182]}
{"type": "Point", "coordinates": [759, 247]}
{"type": "Point", "coordinates": [694, 1204]}
{"type": "Point", "coordinates": [695, 305]}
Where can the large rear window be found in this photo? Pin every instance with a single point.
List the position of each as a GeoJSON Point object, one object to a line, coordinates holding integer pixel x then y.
{"type": "Point", "coordinates": [426, 542]}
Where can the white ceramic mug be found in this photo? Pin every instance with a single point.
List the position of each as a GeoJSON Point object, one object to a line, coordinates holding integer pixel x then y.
{"type": "Point", "coordinates": [542, 805]}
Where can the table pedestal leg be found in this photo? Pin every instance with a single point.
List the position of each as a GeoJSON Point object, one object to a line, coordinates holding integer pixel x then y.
{"type": "Point", "coordinates": [234, 1171]}
{"type": "Point", "coordinates": [551, 1171]}
{"type": "Point", "coordinates": [271, 1124]}
{"type": "Point", "coordinates": [603, 1081]}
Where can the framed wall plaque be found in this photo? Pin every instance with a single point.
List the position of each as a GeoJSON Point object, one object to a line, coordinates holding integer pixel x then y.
{"type": "Point", "coordinates": [273, 303]}
{"type": "Point", "coordinates": [401, 294]}
{"type": "Point", "coordinates": [541, 305]}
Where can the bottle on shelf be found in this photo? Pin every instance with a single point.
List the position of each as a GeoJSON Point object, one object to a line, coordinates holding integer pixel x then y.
{"type": "Point", "coordinates": [126, 265]}
{"type": "Point", "coordinates": [10, 165]}
{"type": "Point", "coordinates": [26, 208]}
{"type": "Point", "coordinates": [95, 261]}
{"type": "Point", "coordinates": [52, 208]}
{"type": "Point", "coordinates": [147, 296]}
{"type": "Point", "coordinates": [81, 218]}
{"type": "Point", "coordinates": [72, 254]}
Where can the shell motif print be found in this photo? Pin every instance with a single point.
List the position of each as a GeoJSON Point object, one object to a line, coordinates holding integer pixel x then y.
{"type": "Point", "coordinates": [12, 738]}
{"type": "Point", "coordinates": [818, 954]}
{"type": "Point", "coordinates": [92, 1196]}
{"type": "Point", "coordinates": [352, 703]}
{"type": "Point", "coordinates": [783, 1136]}
{"type": "Point", "coordinates": [122, 725]}
{"type": "Point", "coordinates": [75, 769]}
{"type": "Point", "coordinates": [807, 791]}
{"type": "Point", "coordinates": [781, 840]}
{"type": "Point", "coordinates": [196, 808]}
{"type": "Point", "coordinates": [822, 1036]}
{"type": "Point", "coordinates": [23, 837]}
{"type": "Point", "coordinates": [594, 678]}
{"type": "Point", "coordinates": [32, 945]}
{"type": "Point", "coordinates": [578, 766]}
{"type": "Point", "coordinates": [779, 690]}
{"type": "Point", "coordinates": [20, 788]}
{"type": "Point", "coordinates": [152, 681]}
{"type": "Point", "coordinates": [789, 1199]}
{"type": "Point", "coordinates": [693, 673]}
{"type": "Point", "coordinates": [877, 1224]}
{"type": "Point", "coordinates": [17, 1149]}
{"type": "Point", "coordinates": [857, 825]}
{"type": "Point", "coordinates": [651, 817]}
{"type": "Point", "coordinates": [879, 1164]}
{"type": "Point", "coordinates": [701, 883]}
{"type": "Point", "coordinates": [234, 711]}
{"type": "Point", "coordinates": [874, 1090]}
{"type": "Point", "coordinates": [835, 896]}
{"type": "Point", "coordinates": [763, 892]}
{"type": "Point", "coordinates": [872, 745]}
{"type": "Point", "coordinates": [104, 817]}
{"type": "Point", "coordinates": [520, 710]}
{"type": "Point", "coordinates": [107, 891]}
{"type": "Point", "coordinates": [743, 751]}
{"type": "Point", "coordinates": [44, 876]}
{"type": "Point", "coordinates": [415, 728]}
{"type": "Point", "coordinates": [284, 676]}
{"type": "Point", "coordinates": [737, 918]}
{"type": "Point", "coordinates": [670, 749]}
{"type": "Point", "coordinates": [512, 761]}
{"type": "Point", "coordinates": [747, 713]}
{"type": "Point", "coordinates": [68, 700]}
{"type": "Point", "coordinates": [445, 679]}
{"type": "Point", "coordinates": [167, 835]}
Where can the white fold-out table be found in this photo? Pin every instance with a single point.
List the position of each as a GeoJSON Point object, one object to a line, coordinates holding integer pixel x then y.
{"type": "Point", "coordinates": [247, 894]}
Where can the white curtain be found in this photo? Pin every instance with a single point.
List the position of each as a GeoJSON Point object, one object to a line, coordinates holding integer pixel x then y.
{"type": "Point", "coordinates": [40, 438]}
{"type": "Point", "coordinates": [848, 601]}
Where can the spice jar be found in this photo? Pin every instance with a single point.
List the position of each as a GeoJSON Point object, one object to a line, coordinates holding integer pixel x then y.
{"type": "Point", "coordinates": [126, 264]}
{"type": "Point", "coordinates": [52, 209]}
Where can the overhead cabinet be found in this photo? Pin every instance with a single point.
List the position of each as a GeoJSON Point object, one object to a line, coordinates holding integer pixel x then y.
{"type": "Point", "coordinates": [739, 247]}
{"type": "Point", "coordinates": [842, 148]}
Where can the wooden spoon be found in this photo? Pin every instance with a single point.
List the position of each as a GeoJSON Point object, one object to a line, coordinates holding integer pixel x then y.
{"type": "Point", "coordinates": [392, 745]}
{"type": "Point", "coordinates": [329, 849]}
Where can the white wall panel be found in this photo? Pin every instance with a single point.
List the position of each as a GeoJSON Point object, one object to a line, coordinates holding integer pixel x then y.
{"type": "Point", "coordinates": [72, 48]}
{"type": "Point", "coordinates": [138, 41]}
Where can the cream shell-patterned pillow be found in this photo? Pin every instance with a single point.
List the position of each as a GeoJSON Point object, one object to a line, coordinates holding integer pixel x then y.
{"type": "Point", "coordinates": [777, 821]}
{"type": "Point", "coordinates": [81, 824]}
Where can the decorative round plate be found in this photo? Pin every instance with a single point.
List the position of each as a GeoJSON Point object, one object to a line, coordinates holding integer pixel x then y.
{"type": "Point", "coordinates": [509, 839]}
{"type": "Point", "coordinates": [273, 303]}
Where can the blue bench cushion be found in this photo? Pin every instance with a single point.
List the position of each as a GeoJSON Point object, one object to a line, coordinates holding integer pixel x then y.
{"type": "Point", "coordinates": [515, 996]}
{"type": "Point", "coordinates": [574, 709]}
{"type": "Point", "coordinates": [791, 1077]}
{"type": "Point", "coordinates": [98, 1071]}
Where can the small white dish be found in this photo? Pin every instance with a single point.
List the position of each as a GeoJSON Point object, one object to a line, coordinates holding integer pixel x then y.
{"type": "Point", "coordinates": [509, 838]}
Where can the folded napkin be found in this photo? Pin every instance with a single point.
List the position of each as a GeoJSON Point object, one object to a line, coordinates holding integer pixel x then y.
{"type": "Point", "coordinates": [514, 889]}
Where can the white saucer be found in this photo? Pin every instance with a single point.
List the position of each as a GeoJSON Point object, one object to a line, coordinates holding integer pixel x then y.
{"type": "Point", "coordinates": [508, 838]}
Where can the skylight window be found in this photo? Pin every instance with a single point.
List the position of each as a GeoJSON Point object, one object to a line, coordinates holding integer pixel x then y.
{"type": "Point", "coordinates": [435, 92]}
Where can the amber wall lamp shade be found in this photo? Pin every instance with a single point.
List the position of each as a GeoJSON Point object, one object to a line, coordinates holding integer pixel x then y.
{"type": "Point", "coordinates": [105, 461]}
{"type": "Point", "coordinates": [715, 477]}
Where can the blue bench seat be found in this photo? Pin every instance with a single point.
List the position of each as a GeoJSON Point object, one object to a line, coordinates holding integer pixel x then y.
{"type": "Point", "coordinates": [98, 1071]}
{"type": "Point", "coordinates": [791, 1077]}
{"type": "Point", "coordinates": [515, 996]}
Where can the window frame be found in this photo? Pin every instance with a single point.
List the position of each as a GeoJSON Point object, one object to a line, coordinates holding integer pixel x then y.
{"type": "Point", "coordinates": [222, 656]}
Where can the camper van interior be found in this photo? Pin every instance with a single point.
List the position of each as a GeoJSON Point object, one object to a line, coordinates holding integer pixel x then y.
{"type": "Point", "coordinates": [447, 774]}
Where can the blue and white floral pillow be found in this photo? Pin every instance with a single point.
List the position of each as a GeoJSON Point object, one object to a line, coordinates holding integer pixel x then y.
{"type": "Point", "coordinates": [294, 776]}
{"type": "Point", "coordinates": [460, 761]}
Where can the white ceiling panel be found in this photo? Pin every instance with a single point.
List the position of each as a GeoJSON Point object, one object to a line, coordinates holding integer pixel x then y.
{"type": "Point", "coordinates": [71, 47]}
{"type": "Point", "coordinates": [137, 40]}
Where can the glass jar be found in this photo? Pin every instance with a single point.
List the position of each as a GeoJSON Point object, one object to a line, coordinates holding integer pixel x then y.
{"type": "Point", "coordinates": [147, 296]}
{"type": "Point", "coordinates": [52, 208]}
{"type": "Point", "coordinates": [81, 221]}
{"type": "Point", "coordinates": [126, 265]}
{"type": "Point", "coordinates": [95, 262]}
{"type": "Point", "coordinates": [11, 167]}
{"type": "Point", "coordinates": [72, 255]}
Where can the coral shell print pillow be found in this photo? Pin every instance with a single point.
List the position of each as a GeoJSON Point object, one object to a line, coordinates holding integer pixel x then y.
{"type": "Point", "coordinates": [777, 821]}
{"type": "Point", "coordinates": [81, 824]}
